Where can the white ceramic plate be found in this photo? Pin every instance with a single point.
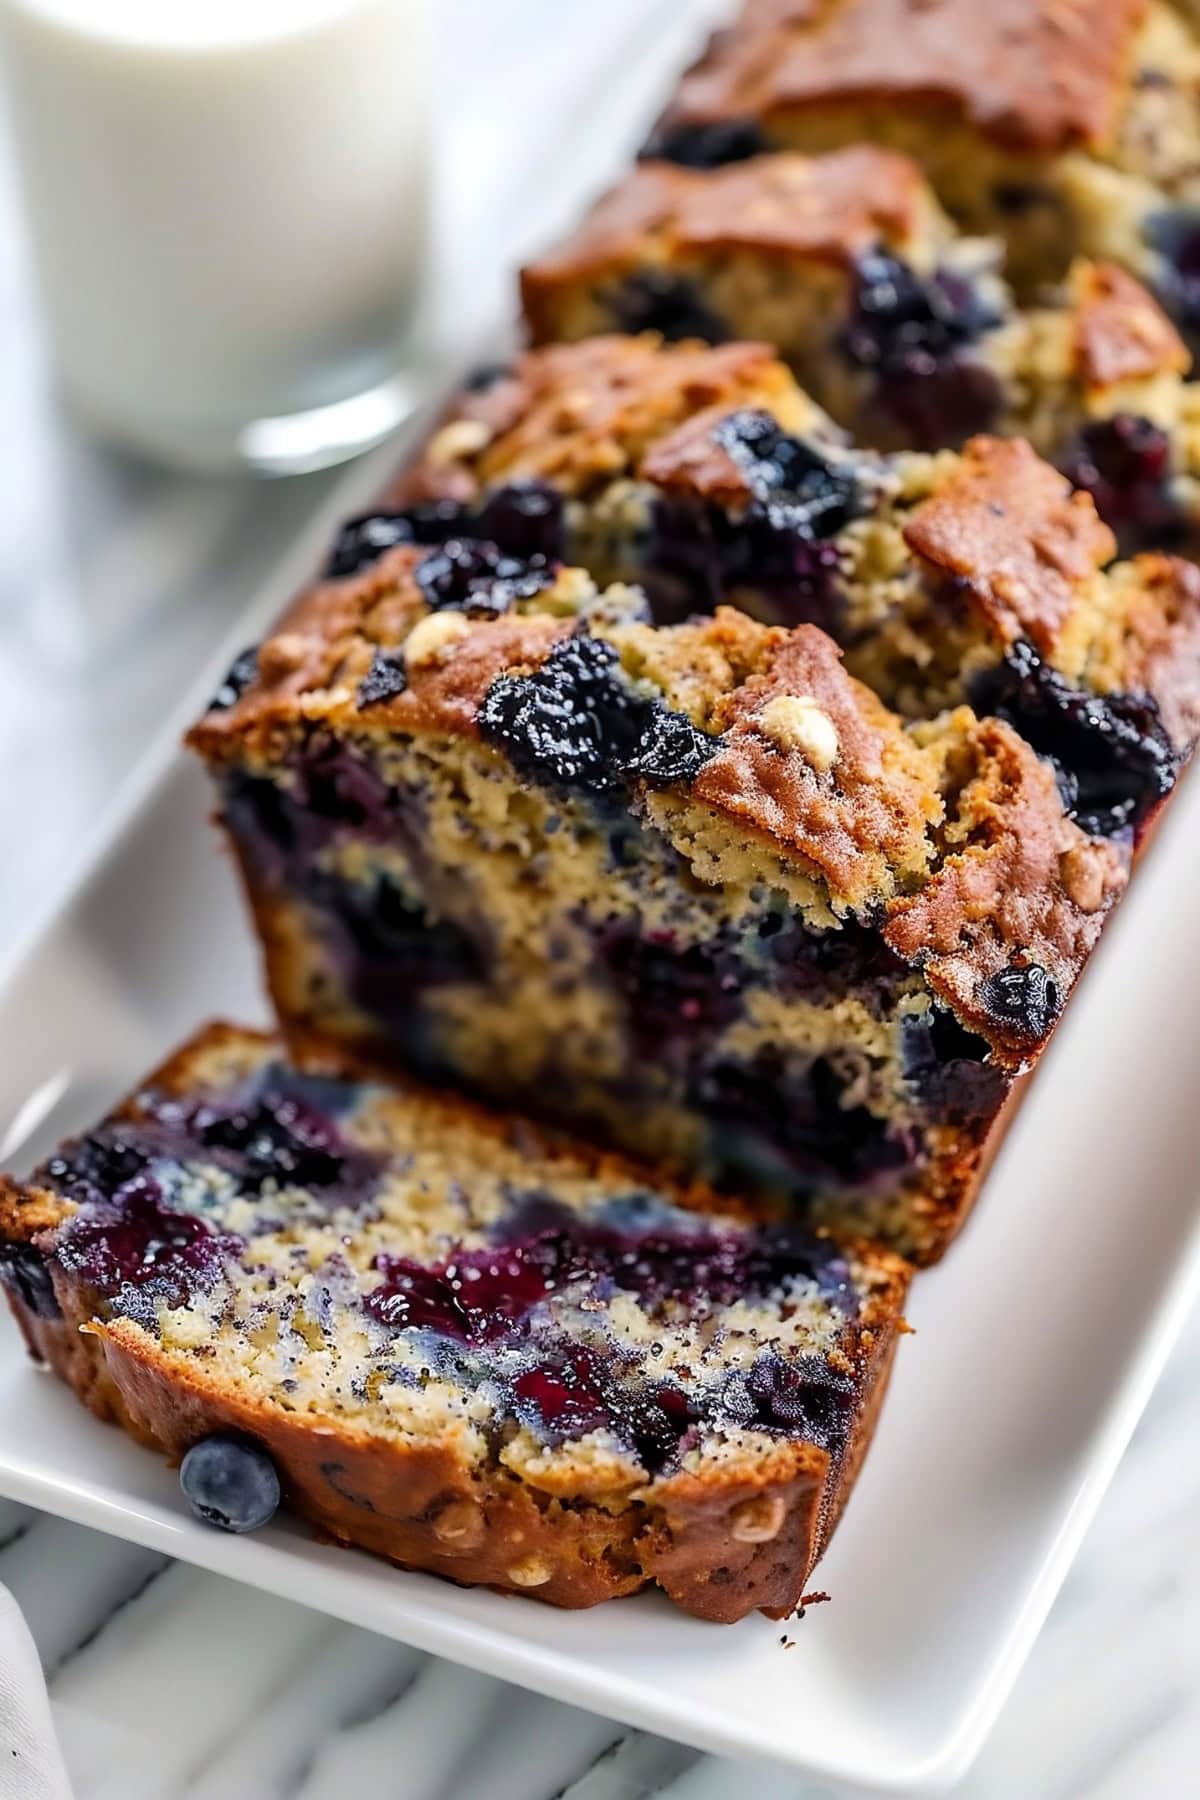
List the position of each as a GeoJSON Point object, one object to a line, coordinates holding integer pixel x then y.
{"type": "Point", "coordinates": [1037, 1342]}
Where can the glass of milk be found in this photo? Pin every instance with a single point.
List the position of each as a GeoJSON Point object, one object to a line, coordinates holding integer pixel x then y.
{"type": "Point", "coordinates": [227, 201]}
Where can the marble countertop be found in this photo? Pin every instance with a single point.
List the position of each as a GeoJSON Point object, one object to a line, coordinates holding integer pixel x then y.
{"type": "Point", "coordinates": [165, 1681]}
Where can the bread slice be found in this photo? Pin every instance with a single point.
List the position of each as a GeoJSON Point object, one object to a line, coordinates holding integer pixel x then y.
{"type": "Point", "coordinates": [465, 1346]}
{"type": "Point", "coordinates": [693, 888]}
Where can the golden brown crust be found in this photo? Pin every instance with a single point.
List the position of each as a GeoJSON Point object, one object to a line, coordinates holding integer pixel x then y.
{"type": "Point", "coordinates": [1160, 651]}
{"type": "Point", "coordinates": [1031, 75]}
{"type": "Point", "coordinates": [720, 1542]}
{"type": "Point", "coordinates": [1009, 533]}
{"type": "Point", "coordinates": [1121, 332]}
{"type": "Point", "coordinates": [582, 415]}
{"type": "Point", "coordinates": [1020, 884]}
{"type": "Point", "coordinates": [391, 1499]}
{"type": "Point", "coordinates": [873, 798]}
{"type": "Point", "coordinates": [826, 209]}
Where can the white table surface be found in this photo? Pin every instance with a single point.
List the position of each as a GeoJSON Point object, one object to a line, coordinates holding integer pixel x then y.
{"type": "Point", "coordinates": [115, 581]}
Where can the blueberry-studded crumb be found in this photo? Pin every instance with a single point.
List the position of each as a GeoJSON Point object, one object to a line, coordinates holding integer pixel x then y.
{"type": "Point", "coordinates": [385, 678]}
{"type": "Point", "coordinates": [472, 576]}
{"type": "Point", "coordinates": [672, 305]}
{"type": "Point", "coordinates": [1111, 754]}
{"type": "Point", "coordinates": [1023, 1000]}
{"type": "Point", "coordinates": [794, 483]}
{"type": "Point", "coordinates": [578, 722]}
{"type": "Point", "coordinates": [492, 1312]}
{"type": "Point", "coordinates": [706, 146]}
{"type": "Point", "coordinates": [139, 1253]}
{"type": "Point", "coordinates": [242, 674]}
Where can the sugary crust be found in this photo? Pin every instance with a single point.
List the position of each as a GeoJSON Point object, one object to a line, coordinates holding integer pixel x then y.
{"type": "Point", "coordinates": [876, 794]}
{"type": "Point", "coordinates": [1008, 531]}
{"type": "Point", "coordinates": [583, 415]}
{"type": "Point", "coordinates": [1021, 884]}
{"type": "Point", "coordinates": [825, 209]}
{"type": "Point", "coordinates": [1120, 331]}
{"type": "Point", "coordinates": [1031, 75]}
{"type": "Point", "coordinates": [419, 1504]}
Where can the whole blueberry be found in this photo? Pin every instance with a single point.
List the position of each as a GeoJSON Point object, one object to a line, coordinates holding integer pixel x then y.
{"type": "Point", "coordinates": [230, 1483]}
{"type": "Point", "coordinates": [706, 145]}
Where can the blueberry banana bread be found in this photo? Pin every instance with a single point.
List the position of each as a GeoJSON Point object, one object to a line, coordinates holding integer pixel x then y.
{"type": "Point", "coordinates": [692, 888]}
{"type": "Point", "coordinates": [443, 1337]}
{"type": "Point", "coordinates": [706, 474]}
{"type": "Point", "coordinates": [1062, 129]}
{"type": "Point", "coordinates": [900, 330]}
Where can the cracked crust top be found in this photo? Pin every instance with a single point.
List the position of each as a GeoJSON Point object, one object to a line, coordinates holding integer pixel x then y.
{"type": "Point", "coordinates": [1033, 75]}
{"type": "Point", "coordinates": [1121, 332]}
{"type": "Point", "coordinates": [1019, 884]}
{"type": "Point", "coordinates": [1007, 530]}
{"type": "Point", "coordinates": [583, 415]}
{"type": "Point", "coordinates": [827, 209]}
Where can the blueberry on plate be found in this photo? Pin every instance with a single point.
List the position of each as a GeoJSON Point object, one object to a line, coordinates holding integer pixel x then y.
{"type": "Point", "coordinates": [230, 1483]}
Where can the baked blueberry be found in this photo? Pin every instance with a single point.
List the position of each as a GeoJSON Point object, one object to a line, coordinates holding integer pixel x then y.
{"type": "Point", "coordinates": [707, 146]}
{"type": "Point", "coordinates": [385, 678]}
{"type": "Point", "coordinates": [579, 722]}
{"type": "Point", "coordinates": [231, 1483]}
{"type": "Point", "coordinates": [473, 576]}
{"type": "Point", "coordinates": [242, 673]}
{"type": "Point", "coordinates": [1023, 999]}
{"type": "Point", "coordinates": [362, 541]}
{"type": "Point", "coordinates": [525, 518]}
{"type": "Point", "coordinates": [1124, 463]}
{"type": "Point", "coordinates": [1110, 752]}
{"type": "Point", "coordinates": [795, 483]}
{"type": "Point", "coordinates": [672, 305]}
{"type": "Point", "coordinates": [24, 1272]}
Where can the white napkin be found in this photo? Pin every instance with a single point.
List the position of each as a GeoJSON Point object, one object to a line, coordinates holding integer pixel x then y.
{"type": "Point", "coordinates": [31, 1766]}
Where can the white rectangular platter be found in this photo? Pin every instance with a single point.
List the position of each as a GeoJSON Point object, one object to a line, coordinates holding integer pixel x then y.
{"type": "Point", "coordinates": [1037, 1343]}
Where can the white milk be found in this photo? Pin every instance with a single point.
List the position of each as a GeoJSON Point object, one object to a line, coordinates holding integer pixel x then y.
{"type": "Point", "coordinates": [227, 201]}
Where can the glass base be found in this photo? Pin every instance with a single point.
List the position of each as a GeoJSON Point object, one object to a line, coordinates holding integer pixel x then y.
{"type": "Point", "coordinates": [293, 444]}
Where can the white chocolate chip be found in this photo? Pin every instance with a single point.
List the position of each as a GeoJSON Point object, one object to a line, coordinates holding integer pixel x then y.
{"type": "Point", "coordinates": [531, 1571]}
{"type": "Point", "coordinates": [759, 1520]}
{"type": "Point", "coordinates": [282, 655]}
{"type": "Point", "coordinates": [460, 1523]}
{"type": "Point", "coordinates": [1082, 870]}
{"type": "Point", "coordinates": [432, 638]}
{"type": "Point", "coordinates": [462, 437]}
{"type": "Point", "coordinates": [796, 722]}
